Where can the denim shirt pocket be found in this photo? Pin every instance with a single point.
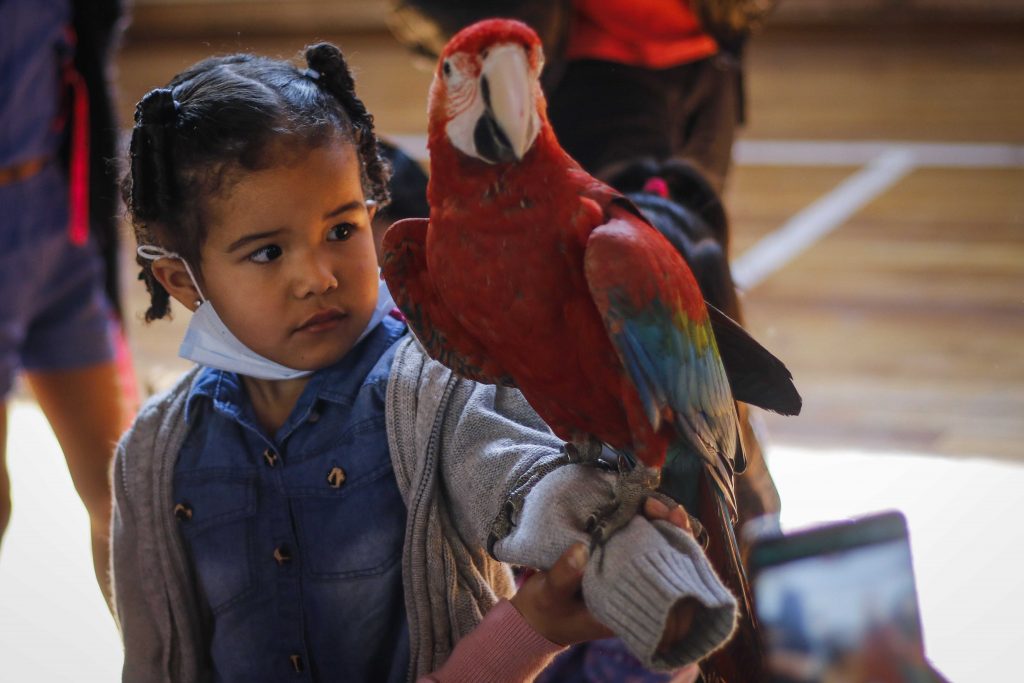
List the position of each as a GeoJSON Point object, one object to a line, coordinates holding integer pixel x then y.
{"type": "Point", "coordinates": [356, 529]}
{"type": "Point", "coordinates": [219, 532]}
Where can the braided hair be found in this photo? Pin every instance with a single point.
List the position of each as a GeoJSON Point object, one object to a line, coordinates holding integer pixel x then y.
{"type": "Point", "coordinates": [328, 63]}
{"type": "Point", "coordinates": [222, 118]}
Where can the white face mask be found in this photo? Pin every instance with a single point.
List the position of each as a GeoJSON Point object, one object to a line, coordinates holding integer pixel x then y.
{"type": "Point", "coordinates": [209, 342]}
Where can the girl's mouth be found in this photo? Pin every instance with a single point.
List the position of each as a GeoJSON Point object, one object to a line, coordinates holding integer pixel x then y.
{"type": "Point", "coordinates": [322, 321]}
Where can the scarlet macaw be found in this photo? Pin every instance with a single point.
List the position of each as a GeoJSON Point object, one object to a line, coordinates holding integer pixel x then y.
{"type": "Point", "coordinates": [531, 273]}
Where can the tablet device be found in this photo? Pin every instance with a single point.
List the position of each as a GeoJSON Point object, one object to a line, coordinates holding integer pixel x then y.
{"type": "Point", "coordinates": [838, 604]}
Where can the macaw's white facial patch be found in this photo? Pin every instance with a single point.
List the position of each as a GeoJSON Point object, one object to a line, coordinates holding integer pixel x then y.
{"type": "Point", "coordinates": [492, 103]}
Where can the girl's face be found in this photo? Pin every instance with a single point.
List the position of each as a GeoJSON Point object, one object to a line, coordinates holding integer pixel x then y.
{"type": "Point", "coordinates": [289, 260]}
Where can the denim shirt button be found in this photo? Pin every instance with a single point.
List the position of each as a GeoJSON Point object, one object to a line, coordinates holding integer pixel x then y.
{"type": "Point", "coordinates": [271, 457]}
{"type": "Point", "coordinates": [336, 477]}
{"type": "Point", "coordinates": [297, 664]}
{"type": "Point", "coordinates": [281, 555]}
{"type": "Point", "coordinates": [183, 512]}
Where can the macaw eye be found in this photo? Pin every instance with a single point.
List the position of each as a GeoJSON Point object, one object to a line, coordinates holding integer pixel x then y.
{"type": "Point", "coordinates": [447, 68]}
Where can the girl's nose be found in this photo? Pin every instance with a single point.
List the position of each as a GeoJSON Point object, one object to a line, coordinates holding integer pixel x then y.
{"type": "Point", "coordinates": [315, 278]}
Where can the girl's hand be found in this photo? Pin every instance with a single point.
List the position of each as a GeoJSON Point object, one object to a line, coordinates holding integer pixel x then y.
{"type": "Point", "coordinates": [552, 602]}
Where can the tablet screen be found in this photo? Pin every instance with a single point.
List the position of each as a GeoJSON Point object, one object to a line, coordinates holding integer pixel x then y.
{"type": "Point", "coordinates": [843, 615]}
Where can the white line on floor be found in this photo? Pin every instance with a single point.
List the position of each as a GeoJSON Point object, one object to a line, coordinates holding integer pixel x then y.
{"type": "Point", "coordinates": [858, 153]}
{"type": "Point", "coordinates": [820, 218]}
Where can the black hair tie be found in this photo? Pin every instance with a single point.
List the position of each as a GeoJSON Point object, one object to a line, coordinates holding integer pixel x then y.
{"type": "Point", "coordinates": [157, 108]}
{"type": "Point", "coordinates": [325, 60]}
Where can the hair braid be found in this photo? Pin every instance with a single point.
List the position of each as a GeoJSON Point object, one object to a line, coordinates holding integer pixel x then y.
{"type": "Point", "coordinates": [149, 188]}
{"type": "Point", "coordinates": [151, 177]}
{"type": "Point", "coordinates": [336, 79]}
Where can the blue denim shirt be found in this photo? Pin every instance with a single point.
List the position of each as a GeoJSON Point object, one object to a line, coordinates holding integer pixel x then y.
{"type": "Point", "coordinates": [295, 538]}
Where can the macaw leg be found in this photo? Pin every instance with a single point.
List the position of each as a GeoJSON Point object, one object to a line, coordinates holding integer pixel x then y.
{"type": "Point", "coordinates": [632, 488]}
{"type": "Point", "coordinates": [585, 450]}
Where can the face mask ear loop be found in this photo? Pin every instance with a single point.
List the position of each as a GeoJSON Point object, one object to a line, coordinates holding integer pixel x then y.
{"type": "Point", "coordinates": [152, 252]}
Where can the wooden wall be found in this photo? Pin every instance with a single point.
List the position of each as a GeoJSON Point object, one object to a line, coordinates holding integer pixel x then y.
{"type": "Point", "coordinates": [220, 17]}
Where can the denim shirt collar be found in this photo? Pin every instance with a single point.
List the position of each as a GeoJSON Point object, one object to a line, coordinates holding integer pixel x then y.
{"type": "Point", "coordinates": [338, 383]}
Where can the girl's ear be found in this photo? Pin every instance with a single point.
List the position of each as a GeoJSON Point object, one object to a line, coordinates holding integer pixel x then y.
{"type": "Point", "coordinates": [172, 274]}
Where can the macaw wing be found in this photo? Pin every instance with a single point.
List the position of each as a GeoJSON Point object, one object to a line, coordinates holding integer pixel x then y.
{"type": "Point", "coordinates": [404, 266]}
{"type": "Point", "coordinates": [656, 320]}
{"type": "Point", "coordinates": [755, 375]}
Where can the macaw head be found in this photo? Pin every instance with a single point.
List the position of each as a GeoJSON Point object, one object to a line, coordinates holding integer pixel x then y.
{"type": "Point", "coordinates": [486, 95]}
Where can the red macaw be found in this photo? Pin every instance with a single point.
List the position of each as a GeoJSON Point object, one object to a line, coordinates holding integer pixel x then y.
{"type": "Point", "coordinates": [531, 273]}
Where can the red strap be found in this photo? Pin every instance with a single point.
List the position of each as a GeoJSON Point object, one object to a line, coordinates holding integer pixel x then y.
{"type": "Point", "coordinates": [78, 173]}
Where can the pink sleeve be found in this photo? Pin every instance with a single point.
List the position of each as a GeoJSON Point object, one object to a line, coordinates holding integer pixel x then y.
{"type": "Point", "coordinates": [503, 648]}
{"type": "Point", "coordinates": [688, 674]}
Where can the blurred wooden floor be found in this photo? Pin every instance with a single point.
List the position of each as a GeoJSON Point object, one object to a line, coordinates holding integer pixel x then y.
{"type": "Point", "coordinates": [904, 325]}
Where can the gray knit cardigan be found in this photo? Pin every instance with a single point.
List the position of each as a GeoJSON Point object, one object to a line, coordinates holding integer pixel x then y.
{"type": "Point", "coordinates": [482, 478]}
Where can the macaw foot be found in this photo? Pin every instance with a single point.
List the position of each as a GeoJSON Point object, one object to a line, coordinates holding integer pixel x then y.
{"type": "Point", "coordinates": [632, 488]}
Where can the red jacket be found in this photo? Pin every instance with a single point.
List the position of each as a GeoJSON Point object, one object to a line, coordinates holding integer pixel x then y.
{"type": "Point", "coordinates": [656, 34]}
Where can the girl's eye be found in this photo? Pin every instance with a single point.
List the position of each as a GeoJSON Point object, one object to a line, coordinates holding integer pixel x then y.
{"type": "Point", "coordinates": [266, 254]}
{"type": "Point", "coordinates": [340, 232]}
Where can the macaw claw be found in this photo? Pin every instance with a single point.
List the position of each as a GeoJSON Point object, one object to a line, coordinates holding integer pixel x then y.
{"type": "Point", "coordinates": [631, 489]}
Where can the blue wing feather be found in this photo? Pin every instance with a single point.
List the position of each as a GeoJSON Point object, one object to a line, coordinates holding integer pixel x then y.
{"type": "Point", "coordinates": [672, 361]}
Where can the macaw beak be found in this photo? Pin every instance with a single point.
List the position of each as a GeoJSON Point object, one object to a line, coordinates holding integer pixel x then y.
{"type": "Point", "coordinates": [508, 126]}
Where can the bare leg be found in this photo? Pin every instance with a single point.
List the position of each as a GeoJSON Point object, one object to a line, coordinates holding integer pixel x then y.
{"type": "Point", "coordinates": [84, 408]}
{"type": "Point", "coordinates": [5, 482]}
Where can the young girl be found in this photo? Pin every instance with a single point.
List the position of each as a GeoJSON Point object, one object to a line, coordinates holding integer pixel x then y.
{"type": "Point", "coordinates": [318, 500]}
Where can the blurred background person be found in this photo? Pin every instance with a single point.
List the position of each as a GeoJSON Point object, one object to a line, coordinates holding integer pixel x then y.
{"type": "Point", "coordinates": [58, 227]}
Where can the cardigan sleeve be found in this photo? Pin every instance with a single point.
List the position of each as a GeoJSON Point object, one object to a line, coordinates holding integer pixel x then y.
{"type": "Point", "coordinates": [503, 648]}
{"type": "Point", "coordinates": [155, 613]}
{"type": "Point", "coordinates": [144, 654]}
{"type": "Point", "coordinates": [513, 491]}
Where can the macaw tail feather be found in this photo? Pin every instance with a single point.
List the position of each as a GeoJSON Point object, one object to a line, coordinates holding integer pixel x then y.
{"type": "Point", "coordinates": [742, 659]}
{"type": "Point", "coordinates": [683, 470]}
{"type": "Point", "coordinates": [755, 375]}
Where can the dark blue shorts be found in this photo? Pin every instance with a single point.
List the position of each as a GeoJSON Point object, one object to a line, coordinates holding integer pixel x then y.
{"type": "Point", "coordinates": [54, 314]}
